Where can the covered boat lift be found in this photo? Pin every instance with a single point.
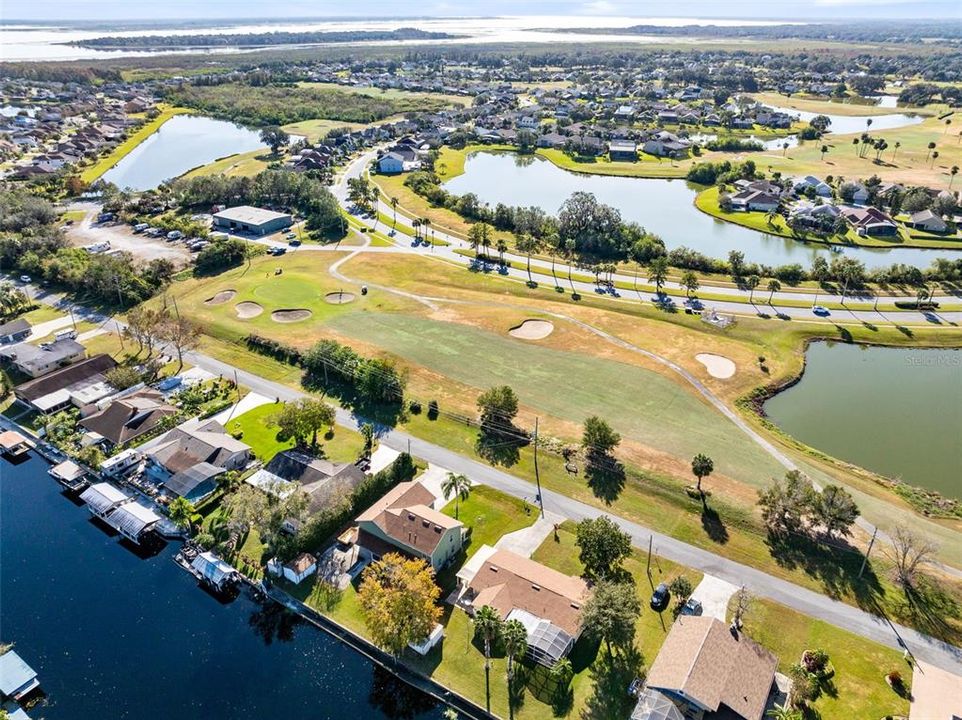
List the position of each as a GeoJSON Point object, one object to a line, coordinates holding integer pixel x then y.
{"type": "Point", "coordinates": [13, 443]}
{"type": "Point", "coordinates": [212, 570]}
{"type": "Point", "coordinates": [16, 677]}
{"type": "Point", "coordinates": [69, 474]}
{"type": "Point", "coordinates": [102, 498]}
{"type": "Point", "coordinates": [132, 520]}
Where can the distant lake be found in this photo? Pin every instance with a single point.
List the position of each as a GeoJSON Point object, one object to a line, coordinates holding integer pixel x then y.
{"type": "Point", "coordinates": [848, 124]}
{"type": "Point", "coordinates": [181, 144]}
{"type": "Point", "coordinates": [896, 411]}
{"type": "Point", "coordinates": [665, 207]}
{"type": "Point", "coordinates": [116, 635]}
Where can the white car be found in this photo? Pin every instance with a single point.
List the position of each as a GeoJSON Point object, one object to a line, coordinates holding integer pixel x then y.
{"type": "Point", "coordinates": [25, 279]}
{"type": "Point", "coordinates": [820, 310]}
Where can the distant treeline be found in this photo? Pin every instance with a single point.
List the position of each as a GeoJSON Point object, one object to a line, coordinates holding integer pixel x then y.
{"type": "Point", "coordinates": [283, 104]}
{"type": "Point", "coordinates": [260, 39]}
{"type": "Point", "coordinates": [901, 31]}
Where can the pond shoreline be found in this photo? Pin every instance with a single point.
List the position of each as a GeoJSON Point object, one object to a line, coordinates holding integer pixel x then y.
{"type": "Point", "coordinates": [927, 502]}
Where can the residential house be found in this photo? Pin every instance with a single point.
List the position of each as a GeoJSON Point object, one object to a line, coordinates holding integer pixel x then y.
{"type": "Point", "coordinates": [390, 164]}
{"type": "Point", "coordinates": [665, 144]}
{"type": "Point", "coordinates": [757, 200]}
{"type": "Point", "coordinates": [326, 483]}
{"type": "Point", "coordinates": [124, 420]}
{"type": "Point", "coordinates": [548, 603]}
{"type": "Point", "coordinates": [79, 384]}
{"type": "Point", "coordinates": [14, 331]}
{"type": "Point", "coordinates": [870, 221]}
{"type": "Point", "coordinates": [552, 140]}
{"type": "Point", "coordinates": [921, 220]}
{"type": "Point", "coordinates": [816, 217]}
{"type": "Point", "coordinates": [820, 187]}
{"type": "Point", "coordinates": [405, 521]}
{"type": "Point", "coordinates": [712, 671]}
{"type": "Point", "coordinates": [860, 195]}
{"type": "Point", "coordinates": [622, 150]}
{"type": "Point", "coordinates": [190, 457]}
{"type": "Point", "coordinates": [38, 360]}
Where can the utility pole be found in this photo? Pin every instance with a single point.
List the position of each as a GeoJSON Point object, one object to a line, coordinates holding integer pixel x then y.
{"type": "Point", "coordinates": [537, 475]}
{"type": "Point", "coordinates": [651, 539]}
{"type": "Point", "coordinates": [868, 552]}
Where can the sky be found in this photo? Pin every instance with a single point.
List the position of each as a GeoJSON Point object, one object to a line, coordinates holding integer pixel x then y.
{"type": "Point", "coordinates": [236, 9]}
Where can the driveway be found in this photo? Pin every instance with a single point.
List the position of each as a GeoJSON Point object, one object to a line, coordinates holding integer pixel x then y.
{"type": "Point", "coordinates": [714, 593]}
{"type": "Point", "coordinates": [526, 540]}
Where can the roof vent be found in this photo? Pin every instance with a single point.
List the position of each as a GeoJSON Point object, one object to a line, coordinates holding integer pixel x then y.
{"type": "Point", "coordinates": [535, 587]}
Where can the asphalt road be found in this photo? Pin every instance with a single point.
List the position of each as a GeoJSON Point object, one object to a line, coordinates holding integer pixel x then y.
{"type": "Point", "coordinates": [761, 584]}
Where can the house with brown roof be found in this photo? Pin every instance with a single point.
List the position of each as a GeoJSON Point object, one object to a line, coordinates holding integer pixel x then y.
{"type": "Point", "coordinates": [548, 603]}
{"type": "Point", "coordinates": [405, 521]}
{"type": "Point", "coordinates": [189, 458]}
{"type": "Point", "coordinates": [127, 418]}
{"type": "Point", "coordinates": [712, 671]}
{"type": "Point", "coordinates": [73, 384]}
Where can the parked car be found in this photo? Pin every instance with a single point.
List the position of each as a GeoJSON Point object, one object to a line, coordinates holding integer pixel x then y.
{"type": "Point", "coordinates": [175, 235]}
{"type": "Point", "coordinates": [140, 227]}
{"type": "Point", "coordinates": [691, 607]}
{"type": "Point", "coordinates": [105, 217]}
{"type": "Point", "coordinates": [660, 598]}
{"type": "Point", "coordinates": [294, 242]}
{"type": "Point", "coordinates": [25, 279]}
{"type": "Point", "coordinates": [820, 310]}
{"type": "Point", "coordinates": [153, 232]}
{"type": "Point", "coordinates": [291, 235]}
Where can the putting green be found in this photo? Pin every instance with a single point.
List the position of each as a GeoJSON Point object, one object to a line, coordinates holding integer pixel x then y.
{"type": "Point", "coordinates": [640, 404]}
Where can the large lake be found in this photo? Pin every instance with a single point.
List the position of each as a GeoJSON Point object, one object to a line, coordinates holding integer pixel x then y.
{"type": "Point", "coordinates": [665, 207]}
{"type": "Point", "coordinates": [896, 411]}
{"type": "Point", "coordinates": [181, 144]}
{"type": "Point", "coordinates": [116, 636]}
{"type": "Point", "coordinates": [847, 124]}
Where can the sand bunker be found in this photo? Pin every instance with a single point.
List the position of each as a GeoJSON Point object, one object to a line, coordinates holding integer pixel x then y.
{"type": "Point", "coordinates": [220, 298]}
{"type": "Point", "coordinates": [248, 310]}
{"type": "Point", "coordinates": [290, 316]}
{"type": "Point", "coordinates": [532, 330]}
{"type": "Point", "coordinates": [717, 366]}
{"type": "Point", "coordinates": [339, 298]}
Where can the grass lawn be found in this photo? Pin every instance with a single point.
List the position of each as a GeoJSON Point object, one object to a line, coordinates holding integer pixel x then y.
{"type": "Point", "coordinates": [316, 130]}
{"type": "Point", "coordinates": [647, 166]}
{"type": "Point", "coordinates": [569, 385]}
{"type": "Point", "coordinates": [42, 314]}
{"type": "Point", "coordinates": [858, 689]}
{"type": "Point", "coordinates": [342, 445]}
{"type": "Point", "coordinates": [241, 165]}
{"type": "Point", "coordinates": [489, 514]}
{"type": "Point", "coordinates": [104, 164]}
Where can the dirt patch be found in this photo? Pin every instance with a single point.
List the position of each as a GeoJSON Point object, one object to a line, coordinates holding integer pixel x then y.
{"type": "Point", "coordinates": [247, 310]}
{"type": "Point", "coordinates": [717, 365]}
{"type": "Point", "coordinates": [532, 330]}
{"type": "Point", "coordinates": [339, 298]}
{"type": "Point", "coordinates": [290, 316]}
{"type": "Point", "coordinates": [220, 298]}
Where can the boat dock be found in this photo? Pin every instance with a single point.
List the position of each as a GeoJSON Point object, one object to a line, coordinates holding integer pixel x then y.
{"type": "Point", "coordinates": [13, 444]}
{"type": "Point", "coordinates": [17, 679]}
{"type": "Point", "coordinates": [69, 474]}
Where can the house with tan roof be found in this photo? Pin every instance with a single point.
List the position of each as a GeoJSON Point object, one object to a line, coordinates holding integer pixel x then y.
{"type": "Point", "coordinates": [405, 521]}
{"type": "Point", "coordinates": [711, 671]}
{"type": "Point", "coordinates": [548, 603]}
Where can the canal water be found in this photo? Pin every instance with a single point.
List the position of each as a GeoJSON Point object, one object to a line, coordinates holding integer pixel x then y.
{"type": "Point", "coordinates": [665, 207]}
{"type": "Point", "coordinates": [896, 411]}
{"type": "Point", "coordinates": [116, 635]}
{"type": "Point", "coordinates": [180, 144]}
{"type": "Point", "coordinates": [847, 124]}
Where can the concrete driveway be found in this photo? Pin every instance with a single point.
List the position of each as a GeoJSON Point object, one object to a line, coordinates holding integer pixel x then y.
{"type": "Point", "coordinates": [714, 593]}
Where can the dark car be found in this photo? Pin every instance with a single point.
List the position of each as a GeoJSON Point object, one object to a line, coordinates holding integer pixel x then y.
{"type": "Point", "coordinates": [660, 598]}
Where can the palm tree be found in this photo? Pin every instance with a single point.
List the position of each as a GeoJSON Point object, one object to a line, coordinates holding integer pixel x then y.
{"type": "Point", "coordinates": [527, 244]}
{"type": "Point", "coordinates": [426, 224]}
{"type": "Point", "coordinates": [752, 283]}
{"type": "Point", "coordinates": [183, 513]}
{"type": "Point", "coordinates": [868, 123]}
{"type": "Point", "coordinates": [658, 273]}
{"type": "Point", "coordinates": [515, 639]}
{"type": "Point", "coordinates": [416, 224]}
{"type": "Point", "coordinates": [948, 121]}
{"type": "Point", "coordinates": [784, 712]}
{"type": "Point", "coordinates": [570, 247]}
{"type": "Point", "coordinates": [931, 147]}
{"type": "Point", "coordinates": [773, 287]}
{"type": "Point", "coordinates": [897, 146]}
{"type": "Point", "coordinates": [784, 149]}
{"type": "Point", "coordinates": [952, 173]}
{"type": "Point", "coordinates": [394, 202]}
{"type": "Point", "coordinates": [855, 143]}
{"type": "Point", "coordinates": [487, 624]}
{"type": "Point", "coordinates": [373, 198]}
{"type": "Point", "coordinates": [701, 467]}
{"type": "Point", "coordinates": [502, 248]}
{"type": "Point", "coordinates": [935, 155]}
{"type": "Point", "coordinates": [456, 485]}
{"type": "Point", "coordinates": [824, 150]}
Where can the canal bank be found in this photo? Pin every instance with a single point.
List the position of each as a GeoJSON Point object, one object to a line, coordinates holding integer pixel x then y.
{"type": "Point", "coordinates": [113, 630]}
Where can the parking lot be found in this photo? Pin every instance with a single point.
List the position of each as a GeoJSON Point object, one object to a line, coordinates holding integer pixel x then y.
{"type": "Point", "coordinates": [122, 237]}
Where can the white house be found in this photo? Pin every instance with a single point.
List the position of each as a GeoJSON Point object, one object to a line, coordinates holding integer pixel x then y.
{"type": "Point", "coordinates": [822, 188]}
{"type": "Point", "coordinates": [390, 164]}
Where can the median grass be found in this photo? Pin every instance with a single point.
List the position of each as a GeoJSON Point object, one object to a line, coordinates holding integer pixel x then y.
{"type": "Point", "coordinates": [92, 173]}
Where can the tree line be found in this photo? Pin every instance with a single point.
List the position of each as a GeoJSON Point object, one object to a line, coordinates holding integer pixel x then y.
{"type": "Point", "coordinates": [259, 39]}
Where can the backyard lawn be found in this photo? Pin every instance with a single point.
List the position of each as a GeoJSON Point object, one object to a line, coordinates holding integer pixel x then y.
{"type": "Point", "coordinates": [241, 165]}
{"type": "Point", "coordinates": [342, 445]}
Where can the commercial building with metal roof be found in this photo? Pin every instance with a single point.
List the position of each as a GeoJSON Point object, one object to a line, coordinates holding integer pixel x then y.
{"type": "Point", "coordinates": [248, 219]}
